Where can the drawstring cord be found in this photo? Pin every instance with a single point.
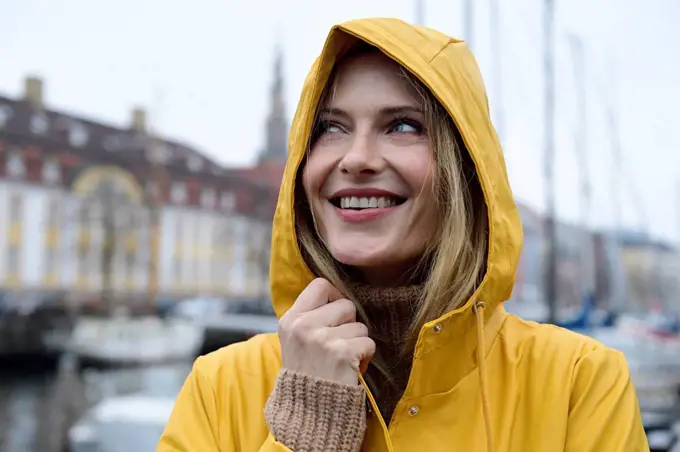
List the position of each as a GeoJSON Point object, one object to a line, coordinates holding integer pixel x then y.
{"type": "Point", "coordinates": [478, 308]}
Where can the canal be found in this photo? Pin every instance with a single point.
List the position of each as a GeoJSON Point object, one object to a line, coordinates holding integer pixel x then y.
{"type": "Point", "coordinates": [40, 402]}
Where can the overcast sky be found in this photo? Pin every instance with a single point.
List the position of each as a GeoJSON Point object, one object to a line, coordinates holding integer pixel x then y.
{"type": "Point", "coordinates": [204, 73]}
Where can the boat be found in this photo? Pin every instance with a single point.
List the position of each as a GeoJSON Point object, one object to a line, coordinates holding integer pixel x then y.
{"type": "Point", "coordinates": [131, 423]}
{"type": "Point", "coordinates": [228, 320]}
{"type": "Point", "coordinates": [122, 340]}
{"type": "Point", "coordinates": [654, 365]}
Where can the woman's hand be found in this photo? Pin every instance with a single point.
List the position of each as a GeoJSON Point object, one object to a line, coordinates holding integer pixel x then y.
{"type": "Point", "coordinates": [320, 336]}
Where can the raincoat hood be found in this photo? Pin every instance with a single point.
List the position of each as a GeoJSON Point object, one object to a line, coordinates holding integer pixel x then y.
{"type": "Point", "coordinates": [447, 67]}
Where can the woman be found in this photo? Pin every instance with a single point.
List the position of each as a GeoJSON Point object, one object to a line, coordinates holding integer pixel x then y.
{"type": "Point", "coordinates": [395, 196]}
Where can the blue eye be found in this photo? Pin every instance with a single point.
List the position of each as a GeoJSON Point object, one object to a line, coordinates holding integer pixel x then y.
{"type": "Point", "coordinates": [332, 128]}
{"type": "Point", "coordinates": [403, 127]}
{"type": "Point", "coordinates": [327, 127]}
{"type": "Point", "coordinates": [406, 126]}
{"type": "Point", "coordinates": [326, 131]}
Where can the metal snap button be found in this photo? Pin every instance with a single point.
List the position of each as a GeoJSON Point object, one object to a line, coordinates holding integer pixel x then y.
{"type": "Point", "coordinates": [413, 410]}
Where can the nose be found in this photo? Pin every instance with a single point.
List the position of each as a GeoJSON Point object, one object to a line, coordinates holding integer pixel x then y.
{"type": "Point", "coordinates": [362, 157]}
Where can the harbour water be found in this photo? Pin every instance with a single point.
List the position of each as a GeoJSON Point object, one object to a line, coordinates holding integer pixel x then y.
{"type": "Point", "coordinates": [39, 404]}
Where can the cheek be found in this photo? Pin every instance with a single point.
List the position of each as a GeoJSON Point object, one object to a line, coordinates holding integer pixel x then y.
{"type": "Point", "coordinates": [417, 170]}
{"type": "Point", "coordinates": [318, 169]}
{"type": "Point", "coordinates": [307, 180]}
{"type": "Point", "coordinates": [312, 178]}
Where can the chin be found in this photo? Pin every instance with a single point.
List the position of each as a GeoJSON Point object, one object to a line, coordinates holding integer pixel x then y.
{"type": "Point", "coordinates": [360, 260]}
{"type": "Point", "coordinates": [361, 255]}
{"type": "Point", "coordinates": [375, 253]}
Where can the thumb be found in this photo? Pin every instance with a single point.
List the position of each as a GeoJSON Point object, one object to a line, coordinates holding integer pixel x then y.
{"type": "Point", "coordinates": [367, 356]}
{"type": "Point", "coordinates": [363, 365]}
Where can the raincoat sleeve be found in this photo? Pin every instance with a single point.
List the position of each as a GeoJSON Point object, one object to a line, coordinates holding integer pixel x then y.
{"type": "Point", "coordinates": [193, 423]}
{"type": "Point", "coordinates": [604, 412]}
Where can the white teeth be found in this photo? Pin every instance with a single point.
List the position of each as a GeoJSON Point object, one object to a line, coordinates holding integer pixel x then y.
{"type": "Point", "coordinates": [353, 202]}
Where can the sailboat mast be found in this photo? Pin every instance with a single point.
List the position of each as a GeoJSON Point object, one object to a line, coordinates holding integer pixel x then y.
{"type": "Point", "coordinates": [469, 19]}
{"type": "Point", "coordinates": [617, 178]}
{"type": "Point", "coordinates": [420, 12]}
{"type": "Point", "coordinates": [497, 104]}
{"type": "Point", "coordinates": [581, 148]}
{"type": "Point", "coordinates": [549, 160]}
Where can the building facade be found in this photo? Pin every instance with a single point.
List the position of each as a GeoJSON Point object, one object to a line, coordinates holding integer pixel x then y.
{"type": "Point", "coordinates": [652, 270]}
{"type": "Point", "coordinates": [97, 210]}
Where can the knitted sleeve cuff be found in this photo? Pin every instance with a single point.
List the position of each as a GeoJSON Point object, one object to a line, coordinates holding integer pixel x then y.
{"type": "Point", "coordinates": [308, 414]}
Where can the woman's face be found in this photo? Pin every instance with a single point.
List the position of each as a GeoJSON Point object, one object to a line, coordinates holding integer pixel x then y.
{"type": "Point", "coordinates": [368, 177]}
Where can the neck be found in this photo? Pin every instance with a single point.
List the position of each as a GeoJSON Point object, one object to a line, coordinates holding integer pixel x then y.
{"type": "Point", "coordinates": [390, 276]}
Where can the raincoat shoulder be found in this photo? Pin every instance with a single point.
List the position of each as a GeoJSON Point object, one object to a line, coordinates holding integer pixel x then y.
{"type": "Point", "coordinates": [221, 404]}
{"type": "Point", "coordinates": [576, 391]}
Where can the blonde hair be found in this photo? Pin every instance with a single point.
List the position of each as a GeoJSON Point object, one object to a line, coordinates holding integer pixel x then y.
{"type": "Point", "coordinates": [455, 259]}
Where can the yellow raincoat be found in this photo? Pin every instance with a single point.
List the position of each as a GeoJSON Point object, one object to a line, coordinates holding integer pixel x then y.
{"type": "Point", "coordinates": [545, 389]}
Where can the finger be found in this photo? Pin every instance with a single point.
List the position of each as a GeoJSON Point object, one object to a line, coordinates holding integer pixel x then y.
{"type": "Point", "coordinates": [348, 331]}
{"type": "Point", "coordinates": [364, 347]}
{"type": "Point", "coordinates": [333, 314]}
{"type": "Point", "coordinates": [317, 293]}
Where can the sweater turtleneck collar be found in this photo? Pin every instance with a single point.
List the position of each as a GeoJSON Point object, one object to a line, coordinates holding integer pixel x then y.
{"type": "Point", "coordinates": [390, 311]}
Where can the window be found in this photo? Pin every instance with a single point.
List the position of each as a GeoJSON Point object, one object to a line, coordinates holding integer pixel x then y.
{"type": "Point", "coordinates": [177, 271]}
{"type": "Point", "coordinates": [130, 263]}
{"type": "Point", "coordinates": [16, 204]}
{"type": "Point", "coordinates": [52, 228]}
{"type": "Point", "coordinates": [222, 248]}
{"type": "Point", "coordinates": [15, 164]}
{"type": "Point", "coordinates": [228, 201]}
{"type": "Point", "coordinates": [177, 257]}
{"type": "Point", "coordinates": [84, 245]}
{"type": "Point", "coordinates": [153, 191]}
{"type": "Point", "coordinates": [178, 194]}
{"type": "Point", "coordinates": [208, 198]}
{"type": "Point", "coordinates": [52, 214]}
{"type": "Point", "coordinates": [111, 143]}
{"type": "Point", "coordinates": [51, 172]}
{"type": "Point", "coordinates": [39, 123]}
{"type": "Point", "coordinates": [179, 231]}
{"type": "Point", "coordinates": [13, 263]}
{"type": "Point", "coordinates": [158, 153]}
{"type": "Point", "coordinates": [6, 113]}
{"type": "Point", "coordinates": [50, 263]}
{"type": "Point", "coordinates": [84, 214]}
{"type": "Point", "coordinates": [195, 163]}
{"type": "Point", "coordinates": [77, 135]}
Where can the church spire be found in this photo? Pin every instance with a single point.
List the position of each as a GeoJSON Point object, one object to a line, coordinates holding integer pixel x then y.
{"type": "Point", "coordinates": [276, 146]}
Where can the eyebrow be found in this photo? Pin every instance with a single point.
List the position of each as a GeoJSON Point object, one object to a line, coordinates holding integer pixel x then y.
{"type": "Point", "coordinates": [386, 111]}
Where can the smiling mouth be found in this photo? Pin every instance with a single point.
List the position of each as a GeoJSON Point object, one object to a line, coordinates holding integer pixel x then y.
{"type": "Point", "coordinates": [369, 202]}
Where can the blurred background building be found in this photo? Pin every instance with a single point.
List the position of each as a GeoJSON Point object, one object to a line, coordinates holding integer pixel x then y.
{"type": "Point", "coordinates": [94, 210]}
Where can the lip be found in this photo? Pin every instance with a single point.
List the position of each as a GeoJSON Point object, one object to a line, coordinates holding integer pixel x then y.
{"type": "Point", "coordinates": [364, 193]}
{"type": "Point", "coordinates": [364, 215]}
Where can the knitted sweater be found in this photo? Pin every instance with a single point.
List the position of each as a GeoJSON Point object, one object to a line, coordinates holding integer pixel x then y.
{"type": "Point", "coordinates": [308, 414]}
